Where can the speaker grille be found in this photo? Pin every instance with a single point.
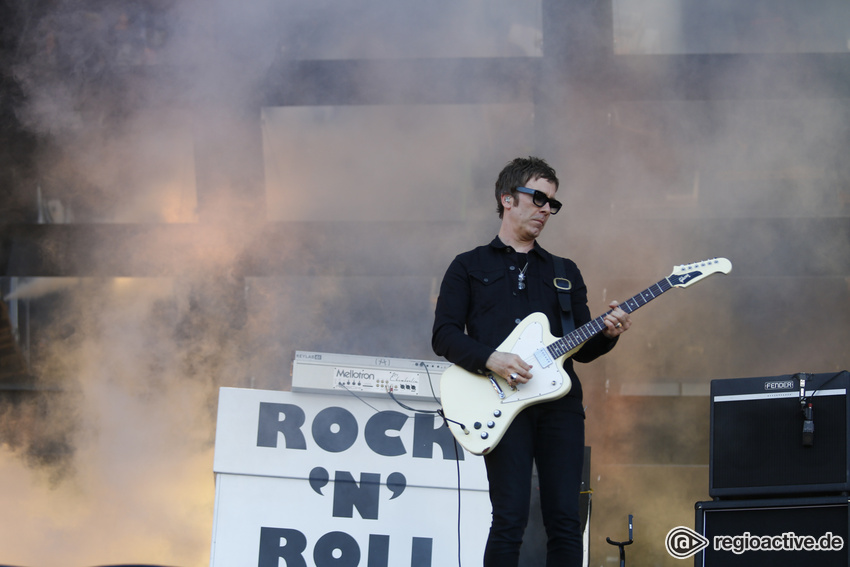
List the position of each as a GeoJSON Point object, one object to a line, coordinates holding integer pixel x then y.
{"type": "Point", "coordinates": [801, 516]}
{"type": "Point", "coordinates": [757, 444]}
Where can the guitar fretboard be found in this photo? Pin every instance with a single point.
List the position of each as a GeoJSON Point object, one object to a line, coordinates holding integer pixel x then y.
{"type": "Point", "coordinates": [587, 331]}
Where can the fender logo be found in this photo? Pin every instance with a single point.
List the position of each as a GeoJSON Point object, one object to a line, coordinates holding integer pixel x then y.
{"type": "Point", "coordinates": [779, 385]}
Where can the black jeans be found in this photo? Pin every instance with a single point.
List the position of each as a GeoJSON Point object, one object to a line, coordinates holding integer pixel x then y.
{"type": "Point", "coordinates": [551, 435]}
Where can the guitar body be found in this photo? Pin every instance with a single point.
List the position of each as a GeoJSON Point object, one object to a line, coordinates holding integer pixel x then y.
{"type": "Point", "coordinates": [479, 408]}
{"type": "Point", "coordinates": [486, 405]}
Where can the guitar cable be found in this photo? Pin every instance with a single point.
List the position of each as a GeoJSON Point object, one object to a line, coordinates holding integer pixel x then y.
{"type": "Point", "coordinates": [446, 421]}
{"type": "Point", "coordinates": [457, 455]}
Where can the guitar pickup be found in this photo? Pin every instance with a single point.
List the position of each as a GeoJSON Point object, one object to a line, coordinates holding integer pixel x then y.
{"type": "Point", "coordinates": [544, 359]}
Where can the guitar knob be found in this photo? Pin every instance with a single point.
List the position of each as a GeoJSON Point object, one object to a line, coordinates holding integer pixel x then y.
{"type": "Point", "coordinates": [497, 413]}
{"type": "Point", "coordinates": [484, 435]}
{"type": "Point", "coordinates": [491, 424]}
{"type": "Point", "coordinates": [477, 425]}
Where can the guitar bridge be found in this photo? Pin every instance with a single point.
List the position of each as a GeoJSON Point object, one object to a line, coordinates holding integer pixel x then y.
{"type": "Point", "coordinates": [496, 387]}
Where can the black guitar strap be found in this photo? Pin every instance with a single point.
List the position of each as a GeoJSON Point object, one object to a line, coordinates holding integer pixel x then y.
{"type": "Point", "coordinates": [564, 287]}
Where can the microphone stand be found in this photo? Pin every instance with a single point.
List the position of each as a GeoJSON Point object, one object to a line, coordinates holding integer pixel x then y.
{"type": "Point", "coordinates": [622, 544]}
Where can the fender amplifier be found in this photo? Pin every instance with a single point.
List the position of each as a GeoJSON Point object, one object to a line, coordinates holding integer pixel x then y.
{"type": "Point", "coordinates": [782, 532]}
{"type": "Point", "coordinates": [779, 435]}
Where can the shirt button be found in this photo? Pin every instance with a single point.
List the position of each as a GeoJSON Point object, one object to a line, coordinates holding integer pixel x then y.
{"type": "Point", "coordinates": [517, 321]}
{"type": "Point", "coordinates": [512, 268]}
{"type": "Point", "coordinates": [486, 280]}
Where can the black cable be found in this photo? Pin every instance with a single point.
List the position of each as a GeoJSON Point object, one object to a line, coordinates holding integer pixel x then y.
{"type": "Point", "coordinates": [438, 411]}
{"type": "Point", "coordinates": [827, 381]}
{"type": "Point", "coordinates": [430, 383]}
{"type": "Point", "coordinates": [446, 421]}
{"type": "Point", "coordinates": [374, 409]}
{"type": "Point", "coordinates": [806, 405]}
{"type": "Point", "coordinates": [407, 407]}
{"type": "Point", "coordinates": [457, 465]}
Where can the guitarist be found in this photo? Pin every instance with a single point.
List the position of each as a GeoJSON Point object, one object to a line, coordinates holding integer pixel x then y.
{"type": "Point", "coordinates": [485, 293]}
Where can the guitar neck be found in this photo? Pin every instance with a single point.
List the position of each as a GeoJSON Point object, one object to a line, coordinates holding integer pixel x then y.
{"type": "Point", "coordinates": [587, 331]}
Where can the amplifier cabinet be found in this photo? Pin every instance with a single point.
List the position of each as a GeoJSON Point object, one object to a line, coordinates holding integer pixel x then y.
{"type": "Point", "coordinates": [791, 532]}
{"type": "Point", "coordinates": [762, 443]}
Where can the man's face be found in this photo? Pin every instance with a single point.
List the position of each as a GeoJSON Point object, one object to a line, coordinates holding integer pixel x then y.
{"type": "Point", "coordinates": [528, 218]}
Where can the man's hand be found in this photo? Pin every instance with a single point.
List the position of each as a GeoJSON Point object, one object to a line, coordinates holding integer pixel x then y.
{"type": "Point", "coordinates": [616, 322]}
{"type": "Point", "coordinates": [510, 366]}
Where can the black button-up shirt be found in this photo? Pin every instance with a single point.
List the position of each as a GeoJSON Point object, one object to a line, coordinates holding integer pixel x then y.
{"type": "Point", "coordinates": [481, 302]}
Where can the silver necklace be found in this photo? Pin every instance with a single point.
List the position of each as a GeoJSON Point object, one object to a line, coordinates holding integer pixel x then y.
{"type": "Point", "coordinates": [521, 277]}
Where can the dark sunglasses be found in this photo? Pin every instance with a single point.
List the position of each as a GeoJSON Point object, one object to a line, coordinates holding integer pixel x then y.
{"type": "Point", "coordinates": [539, 198]}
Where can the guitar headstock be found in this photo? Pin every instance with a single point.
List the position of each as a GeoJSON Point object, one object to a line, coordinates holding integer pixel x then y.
{"type": "Point", "coordinates": [688, 274]}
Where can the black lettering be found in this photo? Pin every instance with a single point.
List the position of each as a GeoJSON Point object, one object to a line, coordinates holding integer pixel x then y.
{"type": "Point", "coordinates": [420, 552]}
{"type": "Point", "coordinates": [376, 433]}
{"type": "Point", "coordinates": [425, 436]}
{"type": "Point", "coordinates": [347, 495]}
{"type": "Point", "coordinates": [280, 418]}
{"type": "Point", "coordinates": [277, 543]}
{"type": "Point", "coordinates": [379, 551]}
{"type": "Point", "coordinates": [335, 441]}
{"type": "Point", "coordinates": [349, 551]}
{"type": "Point", "coordinates": [396, 483]}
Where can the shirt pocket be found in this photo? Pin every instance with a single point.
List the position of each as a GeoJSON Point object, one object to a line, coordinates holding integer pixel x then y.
{"type": "Point", "coordinates": [488, 290]}
{"type": "Point", "coordinates": [488, 278]}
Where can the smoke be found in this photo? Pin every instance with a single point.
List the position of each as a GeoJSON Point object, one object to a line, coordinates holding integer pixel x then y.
{"type": "Point", "coordinates": [39, 287]}
{"type": "Point", "coordinates": [148, 112]}
{"type": "Point", "coordinates": [125, 445]}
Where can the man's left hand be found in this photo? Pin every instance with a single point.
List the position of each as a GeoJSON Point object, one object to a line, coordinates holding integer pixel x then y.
{"type": "Point", "coordinates": [616, 322]}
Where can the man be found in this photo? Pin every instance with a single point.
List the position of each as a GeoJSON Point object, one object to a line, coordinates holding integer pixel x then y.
{"type": "Point", "coordinates": [485, 293]}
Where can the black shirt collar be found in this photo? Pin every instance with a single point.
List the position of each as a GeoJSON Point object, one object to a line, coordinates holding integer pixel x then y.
{"type": "Point", "coordinates": [499, 245]}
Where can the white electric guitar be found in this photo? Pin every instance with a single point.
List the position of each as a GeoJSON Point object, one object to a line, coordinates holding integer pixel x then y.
{"type": "Point", "coordinates": [479, 408]}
